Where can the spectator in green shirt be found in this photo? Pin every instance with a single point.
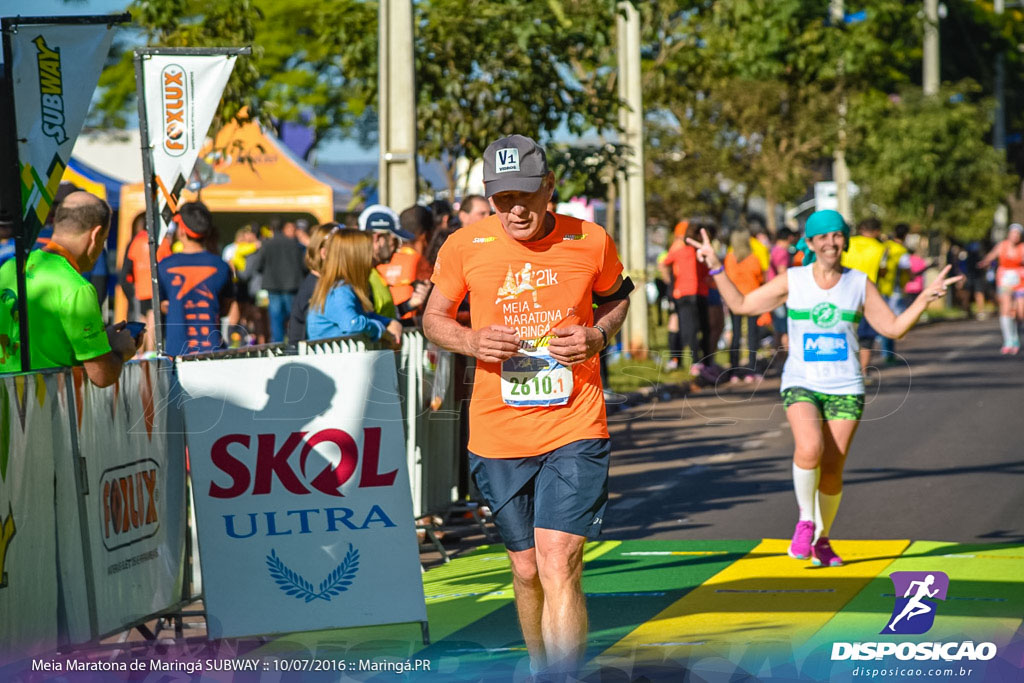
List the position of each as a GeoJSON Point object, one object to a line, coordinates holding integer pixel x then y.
{"type": "Point", "coordinates": [65, 324]}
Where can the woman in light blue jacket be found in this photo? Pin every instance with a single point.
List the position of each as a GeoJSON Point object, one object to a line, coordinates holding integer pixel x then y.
{"type": "Point", "coordinates": [341, 301]}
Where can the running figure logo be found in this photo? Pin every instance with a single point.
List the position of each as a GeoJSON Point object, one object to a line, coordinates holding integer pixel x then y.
{"type": "Point", "coordinates": [516, 284]}
{"type": "Point", "coordinates": [914, 612]}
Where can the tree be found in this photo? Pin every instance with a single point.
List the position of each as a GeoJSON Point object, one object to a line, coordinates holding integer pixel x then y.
{"type": "Point", "coordinates": [522, 66]}
{"type": "Point", "coordinates": [925, 161]}
{"type": "Point", "coordinates": [184, 23]}
{"type": "Point", "coordinates": [528, 66]}
{"type": "Point", "coordinates": [743, 93]}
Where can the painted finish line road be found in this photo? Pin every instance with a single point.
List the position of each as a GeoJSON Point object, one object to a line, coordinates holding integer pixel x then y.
{"type": "Point", "coordinates": [714, 609]}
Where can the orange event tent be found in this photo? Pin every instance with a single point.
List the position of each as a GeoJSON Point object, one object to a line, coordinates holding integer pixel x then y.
{"type": "Point", "coordinates": [252, 174]}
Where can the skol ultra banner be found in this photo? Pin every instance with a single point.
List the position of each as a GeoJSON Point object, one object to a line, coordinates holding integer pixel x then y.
{"type": "Point", "coordinates": [181, 96]}
{"type": "Point", "coordinates": [31, 431]}
{"type": "Point", "coordinates": [55, 69]}
{"type": "Point", "coordinates": [302, 493]}
{"type": "Point", "coordinates": [132, 444]}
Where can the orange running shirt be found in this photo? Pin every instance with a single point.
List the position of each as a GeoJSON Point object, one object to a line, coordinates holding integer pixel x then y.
{"type": "Point", "coordinates": [746, 274]}
{"type": "Point", "coordinates": [405, 267]}
{"type": "Point", "coordinates": [689, 276]}
{"type": "Point", "coordinates": [531, 287]}
{"type": "Point", "coordinates": [1010, 273]}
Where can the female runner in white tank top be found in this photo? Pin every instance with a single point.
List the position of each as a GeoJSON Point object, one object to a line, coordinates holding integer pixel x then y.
{"type": "Point", "coordinates": [822, 385]}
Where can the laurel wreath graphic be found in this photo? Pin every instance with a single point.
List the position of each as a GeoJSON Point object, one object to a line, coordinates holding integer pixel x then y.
{"type": "Point", "coordinates": [296, 585]}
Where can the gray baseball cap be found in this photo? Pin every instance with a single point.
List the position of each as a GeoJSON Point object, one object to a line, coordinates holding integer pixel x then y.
{"type": "Point", "coordinates": [514, 164]}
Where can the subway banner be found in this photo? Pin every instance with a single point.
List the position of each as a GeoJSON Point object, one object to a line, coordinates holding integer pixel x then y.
{"type": "Point", "coordinates": [181, 96]}
{"type": "Point", "coordinates": [31, 431]}
{"type": "Point", "coordinates": [55, 68]}
{"type": "Point", "coordinates": [130, 439]}
{"type": "Point", "coordinates": [302, 493]}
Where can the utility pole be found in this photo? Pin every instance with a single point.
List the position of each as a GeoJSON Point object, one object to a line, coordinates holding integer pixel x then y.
{"type": "Point", "coordinates": [930, 67]}
{"type": "Point", "coordinates": [633, 218]}
{"type": "Point", "coordinates": [397, 106]}
{"type": "Point", "coordinates": [1001, 217]}
{"type": "Point", "coordinates": [840, 173]}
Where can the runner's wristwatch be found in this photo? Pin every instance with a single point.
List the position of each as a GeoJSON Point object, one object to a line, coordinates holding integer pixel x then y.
{"type": "Point", "coordinates": [604, 335]}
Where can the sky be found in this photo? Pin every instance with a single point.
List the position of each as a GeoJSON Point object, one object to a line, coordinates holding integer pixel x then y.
{"type": "Point", "coordinates": [329, 152]}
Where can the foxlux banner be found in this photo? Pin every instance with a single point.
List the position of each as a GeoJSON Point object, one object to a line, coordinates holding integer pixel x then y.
{"type": "Point", "coordinates": [302, 494]}
{"type": "Point", "coordinates": [181, 96]}
{"type": "Point", "coordinates": [55, 69]}
{"type": "Point", "coordinates": [132, 445]}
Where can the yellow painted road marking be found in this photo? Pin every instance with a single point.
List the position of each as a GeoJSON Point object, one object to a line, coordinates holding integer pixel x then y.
{"type": "Point", "coordinates": [765, 597]}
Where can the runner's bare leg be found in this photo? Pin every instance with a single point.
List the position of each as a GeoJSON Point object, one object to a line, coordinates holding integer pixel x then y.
{"type": "Point", "coordinates": [806, 423]}
{"type": "Point", "coordinates": [529, 603]}
{"type": "Point", "coordinates": [564, 622]}
{"type": "Point", "coordinates": [838, 434]}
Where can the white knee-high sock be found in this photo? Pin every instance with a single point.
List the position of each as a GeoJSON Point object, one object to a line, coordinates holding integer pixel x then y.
{"type": "Point", "coordinates": [825, 512]}
{"type": "Point", "coordinates": [1008, 325]}
{"type": "Point", "coordinates": [805, 485]}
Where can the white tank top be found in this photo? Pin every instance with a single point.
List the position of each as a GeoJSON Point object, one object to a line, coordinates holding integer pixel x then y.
{"type": "Point", "coordinates": [823, 333]}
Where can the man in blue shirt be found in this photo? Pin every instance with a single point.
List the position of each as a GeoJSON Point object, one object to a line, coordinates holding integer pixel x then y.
{"type": "Point", "coordinates": [195, 286]}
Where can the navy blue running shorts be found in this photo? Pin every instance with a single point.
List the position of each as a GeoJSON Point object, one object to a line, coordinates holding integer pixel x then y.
{"type": "Point", "coordinates": [565, 490]}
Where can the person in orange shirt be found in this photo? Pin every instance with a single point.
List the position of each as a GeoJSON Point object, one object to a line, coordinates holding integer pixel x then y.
{"type": "Point", "coordinates": [407, 274]}
{"type": "Point", "coordinates": [743, 267]}
{"type": "Point", "coordinates": [538, 433]}
{"type": "Point", "coordinates": [1009, 285]}
{"type": "Point", "coordinates": [136, 275]}
{"type": "Point", "coordinates": [690, 295]}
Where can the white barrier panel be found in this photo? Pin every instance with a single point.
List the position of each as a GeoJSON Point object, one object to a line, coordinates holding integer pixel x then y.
{"type": "Point", "coordinates": [302, 493]}
{"type": "Point", "coordinates": [30, 424]}
{"type": "Point", "coordinates": [133, 452]}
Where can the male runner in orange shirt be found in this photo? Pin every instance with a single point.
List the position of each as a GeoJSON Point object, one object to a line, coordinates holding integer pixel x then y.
{"type": "Point", "coordinates": [538, 435]}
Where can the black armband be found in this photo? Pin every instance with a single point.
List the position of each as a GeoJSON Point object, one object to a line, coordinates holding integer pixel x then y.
{"type": "Point", "coordinates": [622, 292]}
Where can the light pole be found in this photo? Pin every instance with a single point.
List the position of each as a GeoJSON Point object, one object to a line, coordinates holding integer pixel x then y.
{"type": "Point", "coordinates": [930, 65]}
{"type": "Point", "coordinates": [396, 106]}
{"type": "Point", "coordinates": [633, 218]}
{"type": "Point", "coordinates": [840, 172]}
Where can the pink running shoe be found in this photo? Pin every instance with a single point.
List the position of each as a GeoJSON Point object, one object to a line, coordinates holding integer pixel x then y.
{"type": "Point", "coordinates": [800, 548]}
{"type": "Point", "coordinates": [824, 555]}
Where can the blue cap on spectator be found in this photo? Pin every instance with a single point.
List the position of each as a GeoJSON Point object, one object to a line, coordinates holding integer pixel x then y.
{"type": "Point", "coordinates": [379, 218]}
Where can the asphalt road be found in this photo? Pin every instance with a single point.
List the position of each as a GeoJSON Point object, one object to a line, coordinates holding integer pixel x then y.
{"type": "Point", "coordinates": [939, 454]}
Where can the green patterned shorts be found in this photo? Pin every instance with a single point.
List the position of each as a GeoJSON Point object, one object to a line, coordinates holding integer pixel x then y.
{"type": "Point", "coordinates": [831, 406]}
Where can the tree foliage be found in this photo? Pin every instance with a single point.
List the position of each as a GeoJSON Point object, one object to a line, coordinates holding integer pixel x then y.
{"type": "Point", "coordinates": [925, 160]}
{"type": "Point", "coordinates": [483, 69]}
{"type": "Point", "coordinates": [185, 23]}
{"type": "Point", "coordinates": [741, 97]}
{"type": "Point", "coordinates": [744, 95]}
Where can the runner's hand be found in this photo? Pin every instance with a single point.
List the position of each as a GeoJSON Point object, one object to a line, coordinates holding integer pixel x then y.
{"type": "Point", "coordinates": [574, 344]}
{"type": "Point", "coordinates": [394, 329]}
{"type": "Point", "coordinates": [121, 341]}
{"type": "Point", "coordinates": [705, 252]}
{"type": "Point", "coordinates": [494, 344]}
{"type": "Point", "coordinates": [420, 292]}
{"type": "Point", "coordinates": [937, 289]}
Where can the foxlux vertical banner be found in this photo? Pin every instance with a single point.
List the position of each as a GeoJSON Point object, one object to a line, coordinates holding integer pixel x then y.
{"type": "Point", "coordinates": [55, 69]}
{"type": "Point", "coordinates": [302, 494]}
{"type": "Point", "coordinates": [131, 441]}
{"type": "Point", "coordinates": [182, 93]}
